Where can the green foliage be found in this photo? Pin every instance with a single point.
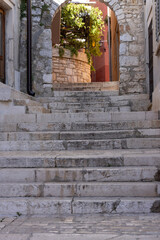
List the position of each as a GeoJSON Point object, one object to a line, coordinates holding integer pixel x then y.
{"type": "Point", "coordinates": [19, 214]}
{"type": "Point", "coordinates": [61, 51]}
{"type": "Point", "coordinates": [23, 8]}
{"type": "Point", "coordinates": [45, 8]}
{"type": "Point", "coordinates": [81, 27]}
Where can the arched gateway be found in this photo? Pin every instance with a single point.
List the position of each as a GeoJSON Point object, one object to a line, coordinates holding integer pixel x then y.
{"type": "Point", "coordinates": [130, 17]}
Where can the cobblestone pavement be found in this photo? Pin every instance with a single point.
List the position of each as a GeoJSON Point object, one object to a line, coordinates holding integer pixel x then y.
{"type": "Point", "coordinates": [81, 227]}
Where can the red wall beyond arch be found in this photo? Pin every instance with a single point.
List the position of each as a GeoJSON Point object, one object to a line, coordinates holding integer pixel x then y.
{"type": "Point", "coordinates": [101, 64]}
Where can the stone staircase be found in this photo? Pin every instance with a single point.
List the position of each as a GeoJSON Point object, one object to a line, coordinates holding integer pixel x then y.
{"type": "Point", "coordinates": [71, 160]}
{"type": "Point", "coordinates": [15, 102]}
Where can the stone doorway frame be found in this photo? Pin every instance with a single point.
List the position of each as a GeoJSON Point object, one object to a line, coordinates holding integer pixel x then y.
{"type": "Point", "coordinates": [132, 44]}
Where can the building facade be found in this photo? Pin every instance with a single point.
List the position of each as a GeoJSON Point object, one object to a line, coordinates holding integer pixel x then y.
{"type": "Point", "coordinates": [9, 42]}
{"type": "Point", "coordinates": [152, 35]}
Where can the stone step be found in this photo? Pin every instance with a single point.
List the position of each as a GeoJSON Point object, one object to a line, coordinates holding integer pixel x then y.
{"type": "Point", "coordinates": [79, 110]}
{"type": "Point", "coordinates": [91, 97]}
{"type": "Point", "coordinates": [86, 105]}
{"type": "Point", "coordinates": [82, 159]}
{"type": "Point", "coordinates": [83, 93]}
{"type": "Point", "coordinates": [17, 118]}
{"type": "Point", "coordinates": [79, 117]}
{"type": "Point", "coordinates": [31, 106]}
{"type": "Point", "coordinates": [37, 109]}
{"type": "Point", "coordinates": [61, 206]}
{"type": "Point", "coordinates": [81, 189]}
{"type": "Point", "coordinates": [86, 126]}
{"type": "Point", "coordinates": [91, 109]}
{"type": "Point", "coordinates": [76, 135]}
{"type": "Point", "coordinates": [12, 110]}
{"type": "Point", "coordinates": [59, 145]}
{"type": "Point", "coordinates": [96, 117]}
{"type": "Point", "coordinates": [8, 93]}
{"type": "Point", "coordinates": [17, 110]}
{"type": "Point", "coordinates": [137, 102]}
{"type": "Point", "coordinates": [111, 174]}
{"type": "Point", "coordinates": [26, 102]}
{"type": "Point", "coordinates": [114, 85]}
{"type": "Point", "coordinates": [108, 109]}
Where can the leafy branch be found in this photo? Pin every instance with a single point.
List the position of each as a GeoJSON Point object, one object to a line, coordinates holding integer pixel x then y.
{"type": "Point", "coordinates": [81, 27]}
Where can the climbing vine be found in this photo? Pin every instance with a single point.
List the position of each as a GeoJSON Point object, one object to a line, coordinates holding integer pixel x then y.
{"type": "Point", "coordinates": [23, 8]}
{"type": "Point", "coordinates": [81, 27]}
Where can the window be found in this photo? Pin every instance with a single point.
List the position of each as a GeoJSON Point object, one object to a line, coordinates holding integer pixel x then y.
{"type": "Point", "coordinates": [158, 19]}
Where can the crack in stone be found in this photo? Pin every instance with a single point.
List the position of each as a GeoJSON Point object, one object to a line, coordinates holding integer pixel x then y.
{"type": "Point", "coordinates": [72, 201]}
{"type": "Point", "coordinates": [115, 205]}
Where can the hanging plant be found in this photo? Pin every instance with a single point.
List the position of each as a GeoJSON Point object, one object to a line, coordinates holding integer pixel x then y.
{"type": "Point", "coordinates": [81, 27]}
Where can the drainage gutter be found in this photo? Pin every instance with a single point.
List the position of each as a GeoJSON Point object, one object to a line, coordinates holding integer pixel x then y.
{"type": "Point", "coordinates": [29, 49]}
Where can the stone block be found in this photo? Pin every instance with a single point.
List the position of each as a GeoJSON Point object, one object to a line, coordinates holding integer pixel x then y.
{"type": "Point", "coordinates": [129, 116]}
{"type": "Point", "coordinates": [62, 117]}
{"type": "Point", "coordinates": [96, 117]}
{"type": "Point", "coordinates": [129, 61]}
{"type": "Point", "coordinates": [47, 78]}
{"type": "Point", "coordinates": [17, 175]}
{"type": "Point", "coordinates": [116, 189]}
{"type": "Point", "coordinates": [17, 118]}
{"type": "Point", "coordinates": [20, 190]}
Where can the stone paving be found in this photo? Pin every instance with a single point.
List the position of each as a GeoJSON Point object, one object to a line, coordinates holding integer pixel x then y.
{"type": "Point", "coordinates": [86, 227]}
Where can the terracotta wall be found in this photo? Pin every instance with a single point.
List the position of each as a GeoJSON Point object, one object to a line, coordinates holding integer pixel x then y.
{"type": "Point", "coordinates": [101, 64]}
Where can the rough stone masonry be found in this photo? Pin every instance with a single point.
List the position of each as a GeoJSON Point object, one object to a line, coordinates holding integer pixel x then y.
{"type": "Point", "coordinates": [131, 53]}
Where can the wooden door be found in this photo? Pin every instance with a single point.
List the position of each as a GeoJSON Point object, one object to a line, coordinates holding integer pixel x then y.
{"type": "Point", "coordinates": [2, 46]}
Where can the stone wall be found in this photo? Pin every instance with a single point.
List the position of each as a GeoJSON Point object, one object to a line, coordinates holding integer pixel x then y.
{"type": "Point", "coordinates": [150, 12]}
{"type": "Point", "coordinates": [12, 25]}
{"type": "Point", "coordinates": [130, 17]}
{"type": "Point", "coordinates": [69, 69]}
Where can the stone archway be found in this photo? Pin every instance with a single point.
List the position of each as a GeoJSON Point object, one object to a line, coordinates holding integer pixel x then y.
{"type": "Point", "coordinates": [131, 56]}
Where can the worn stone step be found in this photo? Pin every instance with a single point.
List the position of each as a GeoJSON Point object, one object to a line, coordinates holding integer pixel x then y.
{"type": "Point", "coordinates": [59, 145]}
{"type": "Point", "coordinates": [68, 205]}
{"type": "Point", "coordinates": [17, 118]}
{"type": "Point", "coordinates": [120, 174]}
{"type": "Point", "coordinates": [79, 110]}
{"type": "Point", "coordinates": [83, 93]}
{"type": "Point", "coordinates": [86, 126]}
{"type": "Point", "coordinates": [97, 117]}
{"type": "Point", "coordinates": [86, 105]}
{"type": "Point", "coordinates": [26, 102]}
{"type": "Point", "coordinates": [12, 110]}
{"type": "Point", "coordinates": [137, 102]}
{"type": "Point", "coordinates": [76, 135]}
{"type": "Point", "coordinates": [114, 85]}
{"type": "Point", "coordinates": [74, 159]}
{"type": "Point", "coordinates": [108, 109]}
{"type": "Point", "coordinates": [79, 117]}
{"type": "Point", "coordinates": [99, 97]}
{"type": "Point", "coordinates": [81, 189]}
{"type": "Point", "coordinates": [132, 143]}
{"type": "Point", "coordinates": [36, 109]}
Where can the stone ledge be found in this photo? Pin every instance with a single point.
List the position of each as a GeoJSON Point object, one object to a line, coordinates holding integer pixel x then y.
{"type": "Point", "coordinates": [67, 54]}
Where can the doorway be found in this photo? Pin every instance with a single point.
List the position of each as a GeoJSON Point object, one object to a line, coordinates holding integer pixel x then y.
{"type": "Point", "coordinates": [2, 46]}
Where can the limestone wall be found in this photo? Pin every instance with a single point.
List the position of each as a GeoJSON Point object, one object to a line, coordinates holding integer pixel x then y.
{"type": "Point", "coordinates": [69, 69]}
{"type": "Point", "coordinates": [12, 25]}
